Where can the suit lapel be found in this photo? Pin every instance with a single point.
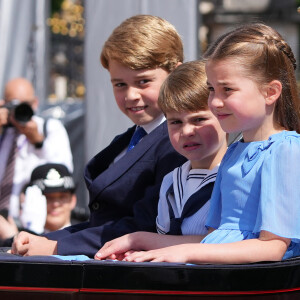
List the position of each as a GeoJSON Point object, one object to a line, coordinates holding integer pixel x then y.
{"type": "Point", "coordinates": [100, 162]}
{"type": "Point", "coordinates": [117, 170]}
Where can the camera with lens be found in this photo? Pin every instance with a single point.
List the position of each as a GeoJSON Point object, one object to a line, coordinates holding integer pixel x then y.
{"type": "Point", "coordinates": [21, 111]}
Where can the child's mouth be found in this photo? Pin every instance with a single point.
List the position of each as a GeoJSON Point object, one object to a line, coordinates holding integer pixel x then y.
{"type": "Point", "coordinates": [138, 108]}
{"type": "Point", "coordinates": [222, 116]}
{"type": "Point", "coordinates": [191, 146]}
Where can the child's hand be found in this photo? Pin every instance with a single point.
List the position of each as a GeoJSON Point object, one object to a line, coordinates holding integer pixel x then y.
{"type": "Point", "coordinates": [27, 244]}
{"type": "Point", "coordinates": [116, 248]}
{"type": "Point", "coordinates": [175, 254]}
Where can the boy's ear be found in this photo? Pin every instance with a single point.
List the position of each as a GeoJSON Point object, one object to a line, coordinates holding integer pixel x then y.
{"type": "Point", "coordinates": [273, 91]}
{"type": "Point", "coordinates": [73, 201]}
{"type": "Point", "coordinates": [178, 64]}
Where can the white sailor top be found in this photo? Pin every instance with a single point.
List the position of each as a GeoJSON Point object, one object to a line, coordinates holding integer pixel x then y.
{"type": "Point", "coordinates": [184, 200]}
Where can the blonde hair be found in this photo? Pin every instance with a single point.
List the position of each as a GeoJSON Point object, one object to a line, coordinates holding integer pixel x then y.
{"type": "Point", "coordinates": [185, 89]}
{"type": "Point", "coordinates": [264, 56]}
{"type": "Point", "coordinates": [144, 42]}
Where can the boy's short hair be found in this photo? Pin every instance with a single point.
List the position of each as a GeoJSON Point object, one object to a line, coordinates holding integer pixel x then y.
{"type": "Point", "coordinates": [185, 89]}
{"type": "Point", "coordinates": [144, 42]}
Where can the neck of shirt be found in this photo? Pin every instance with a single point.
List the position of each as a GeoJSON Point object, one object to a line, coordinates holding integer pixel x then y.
{"type": "Point", "coordinates": [153, 124]}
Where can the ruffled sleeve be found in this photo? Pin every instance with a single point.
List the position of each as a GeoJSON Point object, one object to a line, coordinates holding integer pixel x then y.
{"type": "Point", "coordinates": [279, 207]}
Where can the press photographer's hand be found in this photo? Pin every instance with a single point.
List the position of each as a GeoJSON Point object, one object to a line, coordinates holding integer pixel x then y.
{"type": "Point", "coordinates": [30, 129]}
{"type": "Point", "coordinates": [3, 114]}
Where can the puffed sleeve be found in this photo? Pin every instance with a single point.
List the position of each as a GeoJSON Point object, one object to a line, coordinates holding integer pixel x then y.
{"type": "Point", "coordinates": [279, 207]}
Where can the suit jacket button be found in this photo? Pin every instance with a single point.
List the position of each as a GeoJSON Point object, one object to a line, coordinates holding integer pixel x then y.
{"type": "Point", "coordinates": [95, 206]}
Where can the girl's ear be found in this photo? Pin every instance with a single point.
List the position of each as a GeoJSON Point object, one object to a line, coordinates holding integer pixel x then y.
{"type": "Point", "coordinates": [273, 91]}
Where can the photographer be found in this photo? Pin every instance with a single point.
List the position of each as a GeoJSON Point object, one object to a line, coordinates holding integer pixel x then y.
{"type": "Point", "coordinates": [26, 141]}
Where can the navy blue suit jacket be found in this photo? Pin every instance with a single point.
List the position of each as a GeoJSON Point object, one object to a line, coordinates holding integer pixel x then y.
{"type": "Point", "coordinates": [123, 196]}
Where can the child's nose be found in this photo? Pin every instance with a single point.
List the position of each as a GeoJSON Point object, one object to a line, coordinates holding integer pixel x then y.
{"type": "Point", "coordinates": [188, 130]}
{"type": "Point", "coordinates": [132, 94]}
{"type": "Point", "coordinates": [215, 101]}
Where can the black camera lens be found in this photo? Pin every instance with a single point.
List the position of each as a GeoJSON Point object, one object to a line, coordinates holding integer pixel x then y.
{"type": "Point", "coordinates": [23, 113]}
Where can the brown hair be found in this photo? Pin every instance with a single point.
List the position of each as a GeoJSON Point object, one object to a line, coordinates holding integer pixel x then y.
{"type": "Point", "coordinates": [185, 89]}
{"type": "Point", "coordinates": [264, 56]}
{"type": "Point", "coordinates": [144, 42]}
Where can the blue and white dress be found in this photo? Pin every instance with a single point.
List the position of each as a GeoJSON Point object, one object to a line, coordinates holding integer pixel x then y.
{"type": "Point", "coordinates": [184, 200]}
{"type": "Point", "coordinates": [257, 188]}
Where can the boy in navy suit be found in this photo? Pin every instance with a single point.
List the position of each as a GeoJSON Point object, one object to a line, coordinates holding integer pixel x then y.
{"type": "Point", "coordinates": [124, 179]}
{"type": "Point", "coordinates": [185, 192]}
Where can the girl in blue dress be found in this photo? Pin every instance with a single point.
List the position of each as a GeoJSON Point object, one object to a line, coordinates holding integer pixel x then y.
{"type": "Point", "coordinates": [255, 205]}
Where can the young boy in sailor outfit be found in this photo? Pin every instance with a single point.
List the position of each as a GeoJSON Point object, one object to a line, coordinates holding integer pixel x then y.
{"type": "Point", "coordinates": [185, 192]}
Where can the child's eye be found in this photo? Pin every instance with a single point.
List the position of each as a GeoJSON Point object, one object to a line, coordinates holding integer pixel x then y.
{"type": "Point", "coordinates": [119, 84]}
{"type": "Point", "coordinates": [227, 89]}
{"type": "Point", "coordinates": [199, 120]}
{"type": "Point", "coordinates": [174, 122]}
{"type": "Point", "coordinates": [144, 81]}
{"type": "Point", "coordinates": [210, 88]}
